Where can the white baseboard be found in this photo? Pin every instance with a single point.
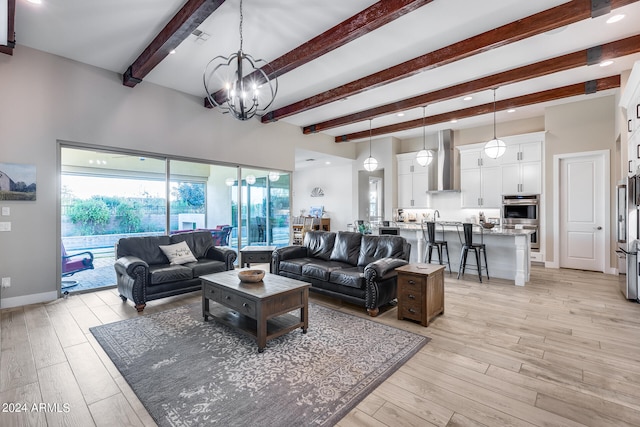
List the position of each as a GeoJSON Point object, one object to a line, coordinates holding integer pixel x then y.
{"type": "Point", "coordinates": [28, 299]}
{"type": "Point", "coordinates": [551, 264]}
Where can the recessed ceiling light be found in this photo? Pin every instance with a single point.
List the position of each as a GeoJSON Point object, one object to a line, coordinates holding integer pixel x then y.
{"type": "Point", "coordinates": [511, 110]}
{"type": "Point", "coordinates": [615, 18]}
{"type": "Point", "coordinates": [327, 163]}
{"type": "Point", "coordinates": [35, 1]}
{"type": "Point", "coordinates": [172, 52]}
{"type": "Point", "coordinates": [606, 63]}
{"type": "Point", "coordinates": [556, 30]}
{"type": "Point", "coordinates": [454, 121]}
{"type": "Point", "coordinates": [467, 98]}
{"type": "Point", "coordinates": [400, 114]}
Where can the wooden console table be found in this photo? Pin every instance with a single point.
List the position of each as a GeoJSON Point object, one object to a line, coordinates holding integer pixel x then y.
{"type": "Point", "coordinates": [420, 292]}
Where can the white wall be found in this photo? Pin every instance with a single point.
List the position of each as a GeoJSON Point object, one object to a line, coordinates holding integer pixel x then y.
{"type": "Point", "coordinates": [335, 181]}
{"type": "Point", "coordinates": [578, 127]}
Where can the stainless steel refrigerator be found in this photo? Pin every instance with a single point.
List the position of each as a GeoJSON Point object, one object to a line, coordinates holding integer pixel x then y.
{"type": "Point", "coordinates": [627, 236]}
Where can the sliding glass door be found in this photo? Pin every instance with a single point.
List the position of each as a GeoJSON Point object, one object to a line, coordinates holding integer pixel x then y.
{"type": "Point", "coordinates": [109, 195]}
{"type": "Point", "coordinates": [264, 208]}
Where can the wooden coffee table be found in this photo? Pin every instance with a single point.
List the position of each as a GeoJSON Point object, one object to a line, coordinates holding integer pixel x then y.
{"type": "Point", "coordinates": [256, 309]}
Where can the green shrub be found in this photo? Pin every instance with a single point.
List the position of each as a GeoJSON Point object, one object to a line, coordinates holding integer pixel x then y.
{"type": "Point", "coordinates": [91, 215]}
{"type": "Point", "coordinates": [129, 217]}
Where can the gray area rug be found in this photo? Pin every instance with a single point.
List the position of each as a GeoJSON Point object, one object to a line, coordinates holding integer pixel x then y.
{"type": "Point", "coordinates": [188, 372]}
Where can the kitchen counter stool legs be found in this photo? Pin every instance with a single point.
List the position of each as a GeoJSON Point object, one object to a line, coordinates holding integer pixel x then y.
{"type": "Point", "coordinates": [479, 249]}
{"type": "Point", "coordinates": [431, 242]}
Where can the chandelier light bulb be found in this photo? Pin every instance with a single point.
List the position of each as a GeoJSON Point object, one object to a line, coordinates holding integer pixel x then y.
{"type": "Point", "coordinates": [424, 157]}
{"type": "Point", "coordinates": [370, 164]}
{"type": "Point", "coordinates": [251, 179]}
{"type": "Point", "coordinates": [495, 148]}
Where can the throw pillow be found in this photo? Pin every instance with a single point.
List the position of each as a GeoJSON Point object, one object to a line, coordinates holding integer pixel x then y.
{"type": "Point", "coordinates": [178, 253]}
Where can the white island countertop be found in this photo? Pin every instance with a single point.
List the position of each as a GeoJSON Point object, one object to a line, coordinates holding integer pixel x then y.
{"type": "Point", "coordinates": [453, 226]}
{"type": "Point", "coordinates": [508, 249]}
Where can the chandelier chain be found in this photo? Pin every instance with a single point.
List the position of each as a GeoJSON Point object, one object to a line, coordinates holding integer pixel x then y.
{"type": "Point", "coordinates": [241, 21]}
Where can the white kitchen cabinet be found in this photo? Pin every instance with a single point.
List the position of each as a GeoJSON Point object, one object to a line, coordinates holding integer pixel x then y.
{"type": "Point", "coordinates": [481, 187]}
{"type": "Point", "coordinates": [480, 179]}
{"type": "Point", "coordinates": [525, 152]}
{"type": "Point", "coordinates": [522, 169]}
{"type": "Point", "coordinates": [413, 182]}
{"type": "Point", "coordinates": [476, 158]}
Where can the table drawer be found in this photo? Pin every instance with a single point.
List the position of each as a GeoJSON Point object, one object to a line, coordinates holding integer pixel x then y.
{"type": "Point", "coordinates": [412, 310]}
{"type": "Point", "coordinates": [284, 303]}
{"type": "Point", "coordinates": [241, 304]}
{"type": "Point", "coordinates": [212, 293]}
{"type": "Point", "coordinates": [255, 258]}
{"type": "Point", "coordinates": [411, 295]}
{"type": "Point", "coordinates": [409, 282]}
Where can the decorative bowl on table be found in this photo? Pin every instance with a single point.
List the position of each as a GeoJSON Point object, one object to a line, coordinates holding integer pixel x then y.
{"type": "Point", "coordinates": [251, 276]}
{"type": "Point", "coordinates": [488, 225]}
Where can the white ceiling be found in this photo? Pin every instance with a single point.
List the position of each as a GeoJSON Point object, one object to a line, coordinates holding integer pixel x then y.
{"type": "Point", "coordinates": [111, 34]}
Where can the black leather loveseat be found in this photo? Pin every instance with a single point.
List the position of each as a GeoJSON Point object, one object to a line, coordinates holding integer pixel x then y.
{"type": "Point", "coordinates": [144, 272]}
{"type": "Point", "coordinates": [350, 266]}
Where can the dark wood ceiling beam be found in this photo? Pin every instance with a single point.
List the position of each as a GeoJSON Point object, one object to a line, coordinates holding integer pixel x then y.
{"type": "Point", "coordinates": [557, 17]}
{"type": "Point", "coordinates": [371, 18]}
{"type": "Point", "coordinates": [611, 50]}
{"type": "Point", "coordinates": [577, 89]}
{"type": "Point", "coordinates": [192, 14]}
{"type": "Point", "coordinates": [11, 29]}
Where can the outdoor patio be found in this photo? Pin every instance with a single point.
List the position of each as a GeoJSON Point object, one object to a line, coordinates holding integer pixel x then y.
{"type": "Point", "coordinates": [101, 276]}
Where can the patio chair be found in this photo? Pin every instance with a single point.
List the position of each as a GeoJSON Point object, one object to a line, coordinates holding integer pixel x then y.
{"type": "Point", "coordinates": [72, 264]}
{"type": "Point", "coordinates": [221, 237]}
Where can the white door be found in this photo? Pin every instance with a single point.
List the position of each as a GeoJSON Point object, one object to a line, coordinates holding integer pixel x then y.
{"type": "Point", "coordinates": [582, 212]}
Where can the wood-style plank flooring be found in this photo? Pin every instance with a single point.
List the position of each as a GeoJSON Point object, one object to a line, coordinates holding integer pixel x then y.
{"type": "Point", "coordinates": [562, 351]}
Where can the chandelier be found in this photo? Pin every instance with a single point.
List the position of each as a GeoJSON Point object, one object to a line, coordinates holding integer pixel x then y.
{"type": "Point", "coordinates": [496, 147]}
{"type": "Point", "coordinates": [249, 91]}
{"type": "Point", "coordinates": [370, 164]}
{"type": "Point", "coordinates": [424, 157]}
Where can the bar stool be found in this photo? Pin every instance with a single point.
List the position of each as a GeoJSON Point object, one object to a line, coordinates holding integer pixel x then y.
{"type": "Point", "coordinates": [477, 248]}
{"type": "Point", "coordinates": [430, 238]}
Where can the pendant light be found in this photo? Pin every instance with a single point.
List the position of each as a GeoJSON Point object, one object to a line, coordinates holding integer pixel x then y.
{"type": "Point", "coordinates": [496, 147]}
{"type": "Point", "coordinates": [370, 164]}
{"type": "Point", "coordinates": [424, 157]}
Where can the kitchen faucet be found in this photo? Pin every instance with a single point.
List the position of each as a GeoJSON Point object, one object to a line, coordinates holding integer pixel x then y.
{"type": "Point", "coordinates": [436, 214]}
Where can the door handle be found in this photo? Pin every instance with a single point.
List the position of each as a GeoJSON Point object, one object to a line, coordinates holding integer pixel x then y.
{"type": "Point", "coordinates": [597, 228]}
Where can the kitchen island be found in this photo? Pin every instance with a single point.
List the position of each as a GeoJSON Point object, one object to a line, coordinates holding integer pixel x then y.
{"type": "Point", "coordinates": [508, 250]}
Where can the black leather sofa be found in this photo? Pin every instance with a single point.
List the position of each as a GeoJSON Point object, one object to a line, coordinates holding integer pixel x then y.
{"type": "Point", "coordinates": [143, 271]}
{"type": "Point", "coordinates": [350, 266]}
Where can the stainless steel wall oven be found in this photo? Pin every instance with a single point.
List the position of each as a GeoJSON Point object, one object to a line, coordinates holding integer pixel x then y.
{"type": "Point", "coordinates": [524, 211]}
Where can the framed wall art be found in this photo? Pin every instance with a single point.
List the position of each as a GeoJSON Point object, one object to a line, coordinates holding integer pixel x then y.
{"type": "Point", "coordinates": [17, 182]}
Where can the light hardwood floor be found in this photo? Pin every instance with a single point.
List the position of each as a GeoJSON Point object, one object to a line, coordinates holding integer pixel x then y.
{"type": "Point", "coordinates": [562, 351]}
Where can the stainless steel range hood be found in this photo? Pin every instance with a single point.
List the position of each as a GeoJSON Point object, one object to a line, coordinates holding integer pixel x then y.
{"type": "Point", "coordinates": [441, 176]}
